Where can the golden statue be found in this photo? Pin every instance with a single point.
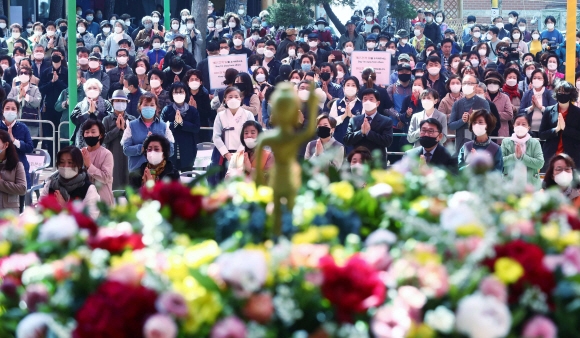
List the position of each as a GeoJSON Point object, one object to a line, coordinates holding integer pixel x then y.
{"type": "Point", "coordinates": [285, 142]}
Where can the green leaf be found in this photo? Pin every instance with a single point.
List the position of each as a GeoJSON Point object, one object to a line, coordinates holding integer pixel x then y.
{"type": "Point", "coordinates": [204, 280]}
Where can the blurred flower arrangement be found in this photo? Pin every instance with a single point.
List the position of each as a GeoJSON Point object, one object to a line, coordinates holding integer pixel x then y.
{"type": "Point", "coordinates": [413, 253]}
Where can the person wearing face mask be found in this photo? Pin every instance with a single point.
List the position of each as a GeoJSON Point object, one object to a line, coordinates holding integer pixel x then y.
{"type": "Point", "coordinates": [141, 68]}
{"type": "Point", "coordinates": [244, 17]}
{"type": "Point", "coordinates": [18, 135]}
{"type": "Point", "coordinates": [93, 27]}
{"type": "Point", "coordinates": [145, 36]}
{"type": "Point", "coordinates": [227, 126]}
{"type": "Point", "coordinates": [156, 54]}
{"type": "Point", "coordinates": [430, 149]}
{"type": "Point", "coordinates": [419, 40]}
{"type": "Point", "coordinates": [84, 34]}
{"type": "Point", "coordinates": [398, 92]}
{"type": "Point", "coordinates": [521, 149]}
{"type": "Point", "coordinates": [551, 33]}
{"type": "Point", "coordinates": [194, 39]}
{"type": "Point", "coordinates": [510, 88]}
{"type": "Point", "coordinates": [463, 108]}
{"type": "Point", "coordinates": [93, 107]}
{"type": "Point", "coordinates": [158, 165]}
{"type": "Point", "coordinates": [343, 110]}
{"type": "Point", "coordinates": [105, 31]}
{"type": "Point", "coordinates": [17, 30]}
{"type": "Point", "coordinates": [552, 65]}
{"type": "Point", "coordinates": [352, 35]}
{"type": "Point", "coordinates": [137, 131]}
{"type": "Point", "coordinates": [250, 100]}
{"type": "Point", "coordinates": [527, 69]}
{"type": "Point", "coordinates": [95, 72]}
{"type": "Point", "coordinates": [114, 125]}
{"type": "Point", "coordinates": [371, 43]}
{"type": "Point", "coordinates": [481, 123]}
{"type": "Point", "coordinates": [112, 44]}
{"type": "Point", "coordinates": [237, 44]}
{"type": "Point", "coordinates": [173, 32]}
{"type": "Point", "coordinates": [62, 105]}
{"type": "Point", "coordinates": [51, 39]}
{"type": "Point", "coordinates": [29, 97]}
{"type": "Point", "coordinates": [291, 54]}
{"type": "Point", "coordinates": [244, 161]}
{"type": "Point", "coordinates": [282, 50]}
{"type": "Point", "coordinates": [178, 50]}
{"type": "Point", "coordinates": [325, 146]}
{"type": "Point", "coordinates": [429, 98]}
{"type": "Point", "coordinates": [175, 70]}
{"type": "Point", "coordinates": [199, 99]}
{"type": "Point", "coordinates": [562, 174]}
{"type": "Point", "coordinates": [184, 124]}
{"type": "Point", "coordinates": [435, 75]}
{"type": "Point", "coordinates": [403, 46]}
{"type": "Point", "coordinates": [370, 130]}
{"type": "Point", "coordinates": [331, 90]}
{"type": "Point", "coordinates": [117, 74]}
{"type": "Point", "coordinates": [324, 36]}
{"type": "Point", "coordinates": [98, 161]}
{"type": "Point", "coordinates": [71, 182]}
{"type": "Point", "coordinates": [561, 124]}
{"type": "Point", "coordinates": [364, 26]}
{"type": "Point", "coordinates": [40, 63]}
{"type": "Point", "coordinates": [502, 32]}
{"type": "Point", "coordinates": [535, 100]}
{"type": "Point", "coordinates": [535, 45]}
{"type": "Point", "coordinates": [494, 81]}
{"type": "Point", "coordinates": [561, 53]}
{"type": "Point", "coordinates": [432, 29]}
{"type": "Point", "coordinates": [12, 175]}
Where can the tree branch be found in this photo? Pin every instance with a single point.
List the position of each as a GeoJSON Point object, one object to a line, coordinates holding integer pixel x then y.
{"type": "Point", "coordinates": [330, 13]}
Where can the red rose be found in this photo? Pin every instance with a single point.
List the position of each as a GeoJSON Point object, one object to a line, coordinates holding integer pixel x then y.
{"type": "Point", "coordinates": [116, 241]}
{"type": "Point", "coordinates": [352, 288]}
{"type": "Point", "coordinates": [177, 196]}
{"type": "Point", "coordinates": [49, 202]}
{"type": "Point", "coordinates": [84, 221]}
{"type": "Point", "coordinates": [115, 310]}
{"type": "Point", "coordinates": [530, 257]}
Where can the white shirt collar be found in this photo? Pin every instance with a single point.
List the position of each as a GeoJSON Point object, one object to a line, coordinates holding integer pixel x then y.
{"type": "Point", "coordinates": [371, 116]}
{"type": "Point", "coordinates": [11, 124]}
{"type": "Point", "coordinates": [432, 150]}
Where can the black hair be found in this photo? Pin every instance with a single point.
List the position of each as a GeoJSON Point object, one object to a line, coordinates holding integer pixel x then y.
{"type": "Point", "coordinates": [432, 121]}
{"type": "Point", "coordinates": [370, 91]}
{"type": "Point", "coordinates": [121, 50]}
{"type": "Point", "coordinates": [353, 78]}
{"type": "Point", "coordinates": [92, 122]}
{"type": "Point", "coordinates": [176, 63]}
{"type": "Point", "coordinates": [145, 60]}
{"type": "Point", "coordinates": [230, 76]}
{"type": "Point", "coordinates": [132, 80]}
{"type": "Point", "coordinates": [271, 43]}
{"type": "Point", "coordinates": [544, 75]}
{"type": "Point", "coordinates": [212, 46]}
{"type": "Point", "coordinates": [19, 50]}
{"type": "Point", "coordinates": [248, 85]}
{"type": "Point", "coordinates": [549, 176]}
{"type": "Point", "coordinates": [568, 88]}
{"type": "Point", "coordinates": [79, 50]}
{"type": "Point", "coordinates": [364, 153]}
{"type": "Point", "coordinates": [249, 123]}
{"type": "Point", "coordinates": [11, 154]}
{"type": "Point", "coordinates": [163, 141]}
{"type": "Point", "coordinates": [176, 85]}
{"type": "Point", "coordinates": [189, 74]}
{"type": "Point", "coordinates": [156, 71]}
{"type": "Point", "coordinates": [551, 18]}
{"type": "Point", "coordinates": [75, 154]}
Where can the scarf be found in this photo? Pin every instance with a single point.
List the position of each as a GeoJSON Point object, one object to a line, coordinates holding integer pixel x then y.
{"type": "Point", "coordinates": [521, 141]}
{"type": "Point", "coordinates": [415, 100]}
{"type": "Point", "coordinates": [183, 109]}
{"type": "Point", "coordinates": [65, 186]}
{"type": "Point", "coordinates": [156, 171]}
{"type": "Point", "coordinates": [512, 92]}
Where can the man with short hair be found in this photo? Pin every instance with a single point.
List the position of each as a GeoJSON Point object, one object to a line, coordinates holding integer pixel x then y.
{"type": "Point", "coordinates": [40, 63]}
{"type": "Point", "coordinates": [498, 22]}
{"type": "Point", "coordinates": [321, 55]}
{"type": "Point", "coordinates": [174, 72]}
{"type": "Point", "coordinates": [419, 40]}
{"type": "Point", "coordinates": [513, 17]}
{"type": "Point", "coordinates": [180, 51]}
{"type": "Point", "coordinates": [526, 35]}
{"type": "Point", "coordinates": [95, 72]}
{"type": "Point", "coordinates": [474, 38]}
{"type": "Point", "coordinates": [403, 45]}
{"type": "Point", "coordinates": [93, 27]}
{"type": "Point", "coordinates": [269, 62]}
{"type": "Point", "coordinates": [492, 36]}
{"type": "Point", "coordinates": [432, 30]}
{"type": "Point", "coordinates": [434, 76]}
{"type": "Point", "coordinates": [370, 130]}
{"type": "Point", "coordinates": [371, 43]}
{"type": "Point", "coordinates": [212, 48]}
{"type": "Point", "coordinates": [117, 74]}
{"type": "Point", "coordinates": [282, 53]}
{"type": "Point", "coordinates": [431, 151]}
{"type": "Point", "coordinates": [83, 58]}
{"type": "Point", "coordinates": [238, 45]}
{"type": "Point", "coordinates": [352, 35]}
{"type": "Point", "coordinates": [134, 92]}
{"type": "Point", "coordinates": [446, 49]}
{"type": "Point", "coordinates": [468, 28]}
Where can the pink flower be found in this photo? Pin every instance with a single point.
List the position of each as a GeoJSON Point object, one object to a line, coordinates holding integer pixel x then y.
{"type": "Point", "coordinates": [160, 326]}
{"type": "Point", "coordinates": [377, 256]}
{"type": "Point", "coordinates": [17, 263]}
{"type": "Point", "coordinates": [35, 294]}
{"type": "Point", "coordinates": [433, 280]}
{"type": "Point", "coordinates": [521, 228]}
{"type": "Point", "coordinates": [229, 327]}
{"type": "Point", "coordinates": [569, 261]}
{"type": "Point", "coordinates": [411, 297]}
{"type": "Point", "coordinates": [491, 286]}
{"type": "Point", "coordinates": [172, 303]}
{"type": "Point", "coordinates": [390, 321]}
{"type": "Point", "coordinates": [465, 246]}
{"type": "Point", "coordinates": [129, 274]}
{"type": "Point", "coordinates": [540, 327]}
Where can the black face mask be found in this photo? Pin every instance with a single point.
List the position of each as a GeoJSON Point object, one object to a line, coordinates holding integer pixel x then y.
{"type": "Point", "coordinates": [323, 132]}
{"type": "Point", "coordinates": [325, 76]}
{"type": "Point", "coordinates": [563, 97]}
{"type": "Point", "coordinates": [56, 58]}
{"type": "Point", "coordinates": [63, 29]}
{"type": "Point", "coordinates": [404, 77]}
{"type": "Point", "coordinates": [428, 141]}
{"type": "Point", "coordinates": [91, 141]}
{"type": "Point", "coordinates": [241, 86]}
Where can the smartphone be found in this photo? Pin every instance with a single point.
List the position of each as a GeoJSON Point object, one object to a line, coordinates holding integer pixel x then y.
{"type": "Point", "coordinates": [337, 55]}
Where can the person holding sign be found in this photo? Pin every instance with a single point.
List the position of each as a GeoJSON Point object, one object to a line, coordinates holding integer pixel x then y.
{"type": "Point", "coordinates": [370, 130]}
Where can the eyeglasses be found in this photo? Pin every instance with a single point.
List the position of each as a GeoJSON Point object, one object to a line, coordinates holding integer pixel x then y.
{"type": "Point", "coordinates": [560, 169]}
{"type": "Point", "coordinates": [431, 132]}
{"type": "Point", "coordinates": [469, 83]}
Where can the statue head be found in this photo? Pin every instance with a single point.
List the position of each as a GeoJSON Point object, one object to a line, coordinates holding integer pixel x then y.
{"type": "Point", "coordinates": [285, 105]}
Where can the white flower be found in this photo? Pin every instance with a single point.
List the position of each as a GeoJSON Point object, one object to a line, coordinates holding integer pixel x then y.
{"type": "Point", "coordinates": [381, 236]}
{"type": "Point", "coordinates": [245, 270]}
{"type": "Point", "coordinates": [58, 228]}
{"type": "Point", "coordinates": [35, 325]}
{"type": "Point", "coordinates": [441, 319]}
{"type": "Point", "coordinates": [454, 217]}
{"type": "Point", "coordinates": [380, 189]}
{"type": "Point", "coordinates": [480, 316]}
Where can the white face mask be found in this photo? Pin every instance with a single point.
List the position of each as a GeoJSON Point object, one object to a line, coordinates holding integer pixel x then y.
{"type": "Point", "coordinates": [183, 18]}
{"type": "Point", "coordinates": [10, 116]}
{"type": "Point", "coordinates": [118, 29]}
{"type": "Point", "coordinates": [434, 70]}
{"type": "Point", "coordinates": [522, 28]}
{"type": "Point", "coordinates": [175, 26]}
{"type": "Point", "coordinates": [140, 70]}
{"type": "Point", "coordinates": [178, 44]}
{"type": "Point", "coordinates": [516, 36]}
{"type": "Point", "coordinates": [511, 82]}
{"type": "Point", "coordinates": [348, 50]}
{"type": "Point", "coordinates": [482, 96]}
{"type": "Point", "coordinates": [189, 26]}
{"type": "Point", "coordinates": [155, 19]}
{"type": "Point", "coordinates": [154, 157]}
{"type": "Point", "coordinates": [482, 51]}
{"type": "Point", "coordinates": [156, 45]}
{"type": "Point", "coordinates": [303, 95]}
{"type": "Point", "coordinates": [455, 88]}
{"type": "Point", "coordinates": [535, 36]}
{"type": "Point", "coordinates": [268, 54]}
{"type": "Point", "coordinates": [467, 90]}
{"type": "Point", "coordinates": [106, 30]}
{"type": "Point", "coordinates": [417, 32]}
{"type": "Point", "coordinates": [120, 106]}
{"type": "Point", "coordinates": [455, 64]}
{"type": "Point", "coordinates": [260, 50]}
{"type": "Point", "coordinates": [499, 25]}
{"type": "Point", "coordinates": [92, 94]}
{"type": "Point", "coordinates": [82, 61]}
{"type": "Point", "coordinates": [474, 62]}
{"type": "Point", "coordinates": [122, 60]}
{"type": "Point", "coordinates": [439, 19]}
{"type": "Point", "coordinates": [369, 106]}
{"type": "Point", "coordinates": [369, 18]}
{"type": "Point", "coordinates": [477, 35]}
{"type": "Point", "coordinates": [67, 173]}
{"type": "Point", "coordinates": [240, 11]}
{"type": "Point", "coordinates": [255, 37]}
{"type": "Point", "coordinates": [194, 85]}
{"type": "Point", "coordinates": [24, 78]}
{"type": "Point", "coordinates": [552, 66]}
{"type": "Point", "coordinates": [50, 33]}
{"type": "Point", "coordinates": [538, 83]}
{"type": "Point", "coordinates": [313, 43]}
{"type": "Point", "coordinates": [224, 52]}
{"type": "Point", "coordinates": [94, 64]}
{"type": "Point", "coordinates": [417, 89]}
{"type": "Point", "coordinates": [251, 143]}
{"type": "Point", "coordinates": [81, 29]}
{"type": "Point", "coordinates": [339, 74]}
{"type": "Point", "coordinates": [179, 98]}
{"type": "Point", "coordinates": [512, 20]}
{"type": "Point", "coordinates": [563, 179]}
{"type": "Point", "coordinates": [231, 24]}
{"type": "Point", "coordinates": [155, 83]}
{"type": "Point", "coordinates": [479, 129]}
{"type": "Point", "coordinates": [128, 22]}
{"type": "Point", "coordinates": [320, 27]}
{"type": "Point", "coordinates": [371, 45]}
{"type": "Point", "coordinates": [210, 24]}
{"type": "Point", "coordinates": [219, 27]}
{"type": "Point", "coordinates": [529, 73]}
{"type": "Point", "coordinates": [291, 52]}
{"type": "Point", "coordinates": [38, 33]}
{"type": "Point", "coordinates": [234, 103]}
{"type": "Point", "coordinates": [392, 51]}
{"type": "Point", "coordinates": [350, 91]}
{"type": "Point", "coordinates": [261, 77]}
{"type": "Point", "coordinates": [520, 131]}
{"type": "Point", "coordinates": [550, 26]}
{"type": "Point", "coordinates": [493, 88]}
{"type": "Point", "coordinates": [427, 104]}
{"type": "Point", "coordinates": [2, 25]}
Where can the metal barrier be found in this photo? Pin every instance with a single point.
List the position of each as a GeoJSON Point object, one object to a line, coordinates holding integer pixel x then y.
{"type": "Point", "coordinates": [44, 138]}
{"type": "Point", "coordinates": [60, 139]}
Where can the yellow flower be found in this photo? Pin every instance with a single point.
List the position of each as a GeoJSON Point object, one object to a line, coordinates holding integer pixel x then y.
{"type": "Point", "coordinates": [421, 331]}
{"type": "Point", "coordinates": [200, 190]}
{"type": "Point", "coordinates": [265, 194]}
{"type": "Point", "coordinates": [204, 306]}
{"type": "Point", "coordinates": [393, 178]}
{"type": "Point", "coordinates": [316, 234]}
{"type": "Point", "coordinates": [126, 258]}
{"type": "Point", "coordinates": [420, 205]}
{"type": "Point", "coordinates": [469, 230]}
{"type": "Point", "coordinates": [182, 240]}
{"type": "Point", "coordinates": [200, 254]}
{"type": "Point", "coordinates": [4, 248]}
{"type": "Point", "coordinates": [551, 232]}
{"type": "Point", "coordinates": [508, 270]}
{"type": "Point", "coordinates": [342, 190]}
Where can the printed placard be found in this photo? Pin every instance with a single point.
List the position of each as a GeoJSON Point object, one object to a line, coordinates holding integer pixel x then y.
{"type": "Point", "coordinates": [219, 64]}
{"type": "Point", "coordinates": [379, 61]}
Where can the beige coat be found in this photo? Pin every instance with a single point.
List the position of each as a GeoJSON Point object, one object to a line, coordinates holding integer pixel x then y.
{"type": "Point", "coordinates": [12, 185]}
{"type": "Point", "coordinates": [506, 112]}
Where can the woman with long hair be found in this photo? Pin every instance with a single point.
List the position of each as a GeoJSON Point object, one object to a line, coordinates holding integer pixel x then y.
{"type": "Point", "coordinates": [12, 175]}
